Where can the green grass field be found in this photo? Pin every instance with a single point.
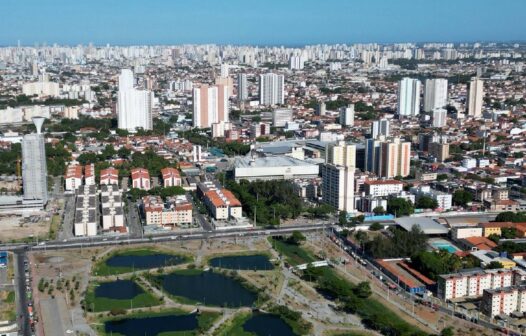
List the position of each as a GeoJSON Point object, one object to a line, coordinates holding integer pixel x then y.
{"type": "Point", "coordinates": [234, 327]}
{"type": "Point", "coordinates": [294, 254]}
{"type": "Point", "coordinates": [98, 304]}
{"type": "Point", "coordinates": [101, 268]}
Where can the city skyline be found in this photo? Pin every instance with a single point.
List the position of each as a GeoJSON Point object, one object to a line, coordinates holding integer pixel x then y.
{"type": "Point", "coordinates": [292, 23]}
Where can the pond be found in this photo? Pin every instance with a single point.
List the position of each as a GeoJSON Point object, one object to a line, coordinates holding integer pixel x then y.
{"type": "Point", "coordinates": [256, 262]}
{"type": "Point", "coordinates": [267, 325]}
{"type": "Point", "coordinates": [144, 261]}
{"type": "Point", "coordinates": [151, 326]}
{"type": "Point", "coordinates": [118, 290]}
{"type": "Point", "coordinates": [208, 288]}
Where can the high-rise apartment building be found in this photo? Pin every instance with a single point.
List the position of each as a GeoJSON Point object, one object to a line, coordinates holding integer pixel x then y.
{"type": "Point", "coordinates": [347, 115]}
{"type": "Point", "coordinates": [435, 94]}
{"type": "Point", "coordinates": [338, 176]}
{"type": "Point", "coordinates": [296, 63]}
{"type": "Point", "coordinates": [210, 105]}
{"type": "Point", "coordinates": [475, 95]}
{"type": "Point", "coordinates": [380, 128]}
{"type": "Point", "coordinates": [134, 106]}
{"type": "Point", "coordinates": [408, 97]}
{"type": "Point", "coordinates": [242, 87]}
{"type": "Point", "coordinates": [280, 117]}
{"type": "Point", "coordinates": [34, 167]}
{"type": "Point", "coordinates": [439, 117]}
{"type": "Point", "coordinates": [271, 89]}
{"type": "Point", "coordinates": [388, 158]}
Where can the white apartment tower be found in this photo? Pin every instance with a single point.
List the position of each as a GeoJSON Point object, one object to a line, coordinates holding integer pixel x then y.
{"type": "Point", "coordinates": [271, 89]}
{"type": "Point", "coordinates": [380, 128]}
{"type": "Point", "coordinates": [347, 115]}
{"type": "Point", "coordinates": [409, 97]}
{"type": "Point", "coordinates": [34, 167]}
{"type": "Point", "coordinates": [439, 117]}
{"type": "Point", "coordinates": [475, 95]}
{"type": "Point", "coordinates": [435, 94]}
{"type": "Point", "coordinates": [134, 106]}
{"type": "Point", "coordinates": [242, 87]}
{"type": "Point", "coordinates": [210, 105]}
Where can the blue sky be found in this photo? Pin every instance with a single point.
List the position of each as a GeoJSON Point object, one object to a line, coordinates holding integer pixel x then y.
{"type": "Point", "coordinates": [275, 22]}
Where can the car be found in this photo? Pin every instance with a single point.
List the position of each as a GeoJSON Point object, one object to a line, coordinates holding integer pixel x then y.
{"type": "Point", "coordinates": [42, 243]}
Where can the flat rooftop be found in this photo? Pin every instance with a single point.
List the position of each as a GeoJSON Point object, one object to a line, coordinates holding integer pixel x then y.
{"type": "Point", "coordinates": [268, 162]}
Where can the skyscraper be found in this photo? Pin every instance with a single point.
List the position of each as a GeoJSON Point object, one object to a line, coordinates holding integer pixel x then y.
{"type": "Point", "coordinates": [34, 167]}
{"type": "Point", "coordinates": [347, 115]}
{"type": "Point", "coordinates": [271, 89]}
{"type": "Point", "coordinates": [379, 128]}
{"type": "Point", "coordinates": [210, 105]}
{"type": "Point", "coordinates": [408, 97]}
{"type": "Point", "coordinates": [134, 106]}
{"type": "Point", "coordinates": [435, 94]}
{"type": "Point", "coordinates": [242, 87]}
{"type": "Point", "coordinates": [475, 95]}
{"type": "Point", "coordinates": [338, 176]}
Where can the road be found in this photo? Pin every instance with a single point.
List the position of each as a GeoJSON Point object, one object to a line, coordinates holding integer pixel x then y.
{"type": "Point", "coordinates": [68, 217]}
{"type": "Point", "coordinates": [20, 293]}
{"type": "Point", "coordinates": [79, 242]}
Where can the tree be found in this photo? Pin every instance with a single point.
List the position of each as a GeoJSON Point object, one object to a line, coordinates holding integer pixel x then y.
{"type": "Point", "coordinates": [379, 210]}
{"type": "Point", "coordinates": [494, 237]}
{"type": "Point", "coordinates": [400, 207]}
{"type": "Point", "coordinates": [376, 226]}
{"type": "Point", "coordinates": [494, 265]}
{"type": "Point", "coordinates": [426, 202]}
{"type": "Point", "coordinates": [462, 197]}
{"type": "Point", "coordinates": [342, 218]}
{"type": "Point", "coordinates": [508, 233]}
{"type": "Point", "coordinates": [123, 152]}
{"type": "Point", "coordinates": [442, 177]}
{"type": "Point", "coordinates": [363, 290]}
{"type": "Point", "coordinates": [296, 238]}
{"type": "Point", "coordinates": [509, 216]}
{"type": "Point", "coordinates": [448, 331]}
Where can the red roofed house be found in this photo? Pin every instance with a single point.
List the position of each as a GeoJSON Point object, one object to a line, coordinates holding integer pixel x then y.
{"type": "Point", "coordinates": [109, 176]}
{"type": "Point", "coordinates": [140, 178]}
{"type": "Point", "coordinates": [171, 177]}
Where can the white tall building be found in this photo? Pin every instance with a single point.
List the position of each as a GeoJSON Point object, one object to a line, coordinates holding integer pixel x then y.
{"type": "Point", "coordinates": [338, 176]}
{"type": "Point", "coordinates": [435, 94]}
{"type": "Point", "coordinates": [380, 127]}
{"type": "Point", "coordinates": [242, 87]}
{"type": "Point", "coordinates": [210, 105]}
{"type": "Point", "coordinates": [475, 95]}
{"type": "Point", "coordinates": [439, 117]}
{"type": "Point", "coordinates": [347, 115]}
{"type": "Point", "coordinates": [34, 166]}
{"type": "Point", "coordinates": [409, 97]}
{"type": "Point", "coordinates": [271, 89]}
{"type": "Point", "coordinates": [296, 63]}
{"type": "Point", "coordinates": [134, 106]}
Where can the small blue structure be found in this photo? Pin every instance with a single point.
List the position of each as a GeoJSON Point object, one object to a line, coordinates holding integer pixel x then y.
{"type": "Point", "coordinates": [3, 259]}
{"type": "Point", "coordinates": [378, 218]}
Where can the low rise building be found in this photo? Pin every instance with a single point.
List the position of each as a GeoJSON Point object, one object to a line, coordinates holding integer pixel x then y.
{"type": "Point", "coordinates": [381, 188]}
{"type": "Point", "coordinates": [472, 283]}
{"type": "Point", "coordinates": [140, 178]}
{"type": "Point", "coordinates": [505, 301]}
{"type": "Point", "coordinates": [112, 208]}
{"type": "Point", "coordinates": [73, 177]}
{"type": "Point", "coordinates": [171, 177]}
{"type": "Point", "coordinates": [85, 221]}
{"type": "Point", "coordinates": [109, 176]}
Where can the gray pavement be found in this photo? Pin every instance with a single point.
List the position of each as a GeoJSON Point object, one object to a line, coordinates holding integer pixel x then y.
{"type": "Point", "coordinates": [20, 294]}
